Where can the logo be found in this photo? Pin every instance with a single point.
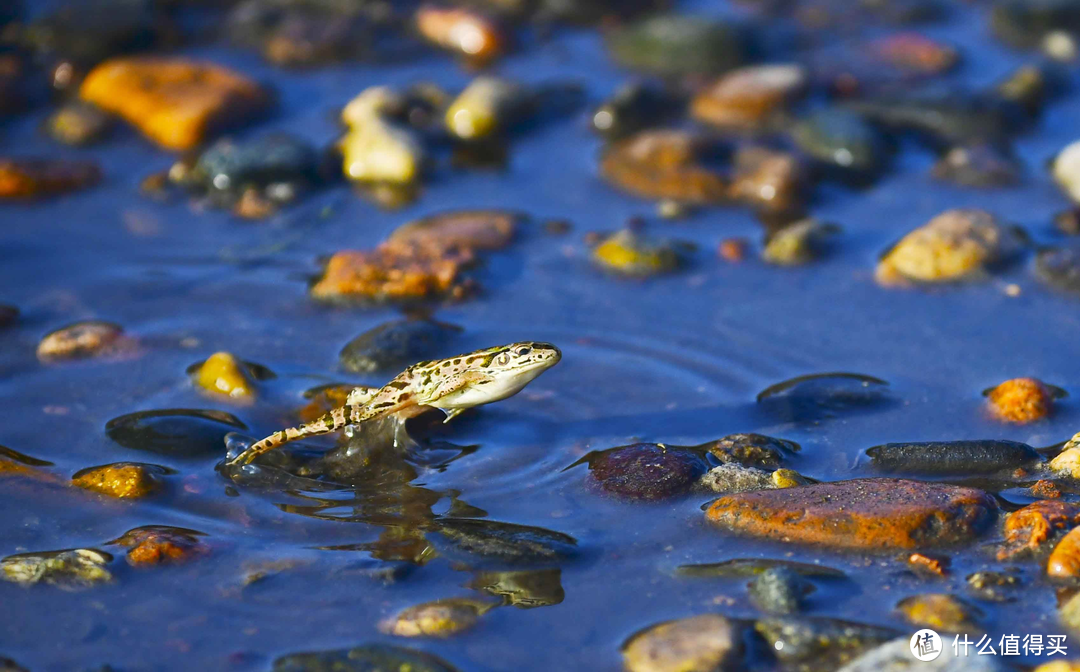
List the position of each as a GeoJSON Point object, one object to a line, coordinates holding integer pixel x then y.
{"type": "Point", "coordinates": [925, 645]}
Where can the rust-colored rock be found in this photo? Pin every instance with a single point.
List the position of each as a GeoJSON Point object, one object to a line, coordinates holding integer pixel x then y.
{"type": "Point", "coordinates": [915, 53]}
{"type": "Point", "coordinates": [1020, 400]}
{"type": "Point", "coordinates": [123, 480]}
{"type": "Point", "coordinates": [462, 31]}
{"type": "Point", "coordinates": [177, 103]}
{"type": "Point", "coordinates": [394, 274]}
{"type": "Point", "coordinates": [768, 180]}
{"type": "Point", "coordinates": [161, 544]}
{"type": "Point", "coordinates": [732, 249]}
{"type": "Point", "coordinates": [472, 229]}
{"type": "Point", "coordinates": [867, 514]}
{"type": "Point", "coordinates": [91, 338]}
{"type": "Point", "coordinates": [1027, 529]}
{"type": "Point", "coordinates": [1064, 561]}
{"type": "Point", "coordinates": [928, 564]}
{"type": "Point", "coordinates": [33, 178]}
{"type": "Point", "coordinates": [750, 97]}
{"type": "Point", "coordinates": [663, 164]}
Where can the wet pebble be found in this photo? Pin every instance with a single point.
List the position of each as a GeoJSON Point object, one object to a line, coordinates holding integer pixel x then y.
{"type": "Point", "coordinates": [441, 618]}
{"type": "Point", "coordinates": [525, 589]}
{"type": "Point", "coordinates": [955, 245]}
{"type": "Point", "coordinates": [462, 31]}
{"type": "Point", "coordinates": [632, 254]}
{"type": "Point", "coordinates": [741, 567]}
{"type": "Point", "coordinates": [376, 150]}
{"type": "Point", "coordinates": [1059, 267]}
{"type": "Point", "coordinates": [952, 457]}
{"type": "Point", "coordinates": [939, 611]}
{"type": "Point", "coordinates": [1028, 530]}
{"type": "Point", "coordinates": [817, 397]}
{"type": "Point", "coordinates": [645, 471]}
{"type": "Point", "coordinates": [751, 450]}
{"type": "Point", "coordinates": [770, 181]}
{"type": "Point", "coordinates": [895, 656]}
{"type": "Point", "coordinates": [123, 480]}
{"type": "Point", "coordinates": [1025, 23]}
{"type": "Point", "coordinates": [487, 107]}
{"type": "Point", "coordinates": [1067, 462]}
{"type": "Point", "coordinates": [842, 140]}
{"type": "Point", "coordinates": [993, 586]}
{"type": "Point", "coordinates": [869, 514]}
{"type": "Point", "coordinates": [779, 590]}
{"type": "Point", "coordinates": [506, 542]}
{"type": "Point", "coordinates": [466, 229]}
{"type": "Point", "coordinates": [799, 242]}
{"type": "Point", "coordinates": [366, 658]}
{"type": "Point", "coordinates": [1064, 560]}
{"type": "Point", "coordinates": [175, 102]}
{"type": "Point", "coordinates": [161, 544]}
{"type": "Point", "coordinates": [392, 345]}
{"type": "Point", "coordinates": [705, 643]}
{"type": "Point", "coordinates": [92, 338]}
{"type": "Point", "coordinates": [69, 570]}
{"type": "Point", "coordinates": [1021, 400]}
{"type": "Point", "coordinates": [79, 124]}
{"type": "Point", "coordinates": [277, 166]}
{"type": "Point", "coordinates": [632, 108]}
{"type": "Point", "coordinates": [819, 643]}
{"type": "Point", "coordinates": [222, 374]}
{"type": "Point", "coordinates": [664, 164]}
{"type": "Point", "coordinates": [392, 274]}
{"type": "Point", "coordinates": [180, 433]}
{"type": "Point", "coordinates": [1065, 170]}
{"type": "Point", "coordinates": [978, 165]}
{"type": "Point", "coordinates": [674, 44]}
{"type": "Point", "coordinates": [732, 477]}
{"type": "Point", "coordinates": [26, 178]}
{"type": "Point", "coordinates": [749, 98]}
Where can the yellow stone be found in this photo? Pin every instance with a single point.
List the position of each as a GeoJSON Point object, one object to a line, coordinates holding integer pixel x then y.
{"type": "Point", "coordinates": [1067, 462]}
{"type": "Point", "coordinates": [953, 245]}
{"type": "Point", "coordinates": [224, 374]}
{"type": "Point", "coordinates": [175, 102]}
{"type": "Point", "coordinates": [787, 478]}
{"type": "Point", "coordinates": [374, 150]}
{"type": "Point", "coordinates": [482, 108]}
{"type": "Point", "coordinates": [121, 480]}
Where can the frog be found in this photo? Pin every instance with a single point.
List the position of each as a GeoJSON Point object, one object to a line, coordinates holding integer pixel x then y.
{"type": "Point", "coordinates": [452, 385]}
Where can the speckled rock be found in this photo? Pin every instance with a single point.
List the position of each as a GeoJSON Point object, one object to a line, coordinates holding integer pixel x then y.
{"type": "Point", "coordinates": [1021, 400]}
{"type": "Point", "coordinates": [751, 450]}
{"type": "Point", "coordinates": [749, 98]}
{"type": "Point", "coordinates": [123, 480]}
{"type": "Point", "coordinates": [223, 374]}
{"type": "Point", "coordinates": [83, 339]}
{"type": "Point", "coordinates": [1059, 267]}
{"type": "Point", "coordinates": [895, 656]}
{"type": "Point", "coordinates": [366, 658]}
{"type": "Point", "coordinates": [664, 164]}
{"type": "Point", "coordinates": [79, 124]}
{"type": "Point", "coordinates": [1064, 560]}
{"type": "Point", "coordinates": [645, 471]}
{"type": "Point", "coordinates": [705, 643]}
{"type": "Point", "coordinates": [69, 570]}
{"type": "Point", "coordinates": [631, 254]}
{"type": "Point", "coordinates": [867, 514]}
{"type": "Point", "coordinates": [1028, 529]}
{"type": "Point", "coordinates": [175, 102]}
{"type": "Point", "coordinates": [993, 586]}
{"type": "Point", "coordinates": [843, 140]}
{"type": "Point", "coordinates": [393, 345]}
{"type": "Point", "coordinates": [441, 618]}
{"type": "Point", "coordinates": [798, 243]}
{"type": "Point", "coordinates": [939, 611]}
{"type": "Point", "coordinates": [161, 544]}
{"type": "Point", "coordinates": [955, 245]}
{"type": "Point", "coordinates": [672, 44]}
{"type": "Point", "coordinates": [779, 590]}
{"type": "Point", "coordinates": [952, 457]}
{"type": "Point", "coordinates": [28, 178]}
{"type": "Point", "coordinates": [819, 643]}
{"type": "Point", "coordinates": [732, 477]}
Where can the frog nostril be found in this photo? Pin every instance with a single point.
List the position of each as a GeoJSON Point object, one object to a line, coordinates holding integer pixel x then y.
{"type": "Point", "coordinates": [523, 351]}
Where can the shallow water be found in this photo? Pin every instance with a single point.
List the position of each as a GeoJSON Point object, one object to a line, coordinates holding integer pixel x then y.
{"type": "Point", "coordinates": [677, 359]}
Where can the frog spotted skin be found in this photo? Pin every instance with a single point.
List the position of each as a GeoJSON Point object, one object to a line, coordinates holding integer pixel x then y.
{"type": "Point", "coordinates": [452, 385]}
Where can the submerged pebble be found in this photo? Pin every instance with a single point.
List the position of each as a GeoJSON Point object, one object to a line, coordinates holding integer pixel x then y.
{"type": "Point", "coordinates": [674, 44]}
{"type": "Point", "coordinates": [953, 457]}
{"type": "Point", "coordinates": [817, 397]}
{"type": "Point", "coordinates": [161, 544]}
{"type": "Point", "coordinates": [394, 344]}
{"type": "Point", "coordinates": [123, 480]}
{"type": "Point", "coordinates": [487, 107]}
{"type": "Point", "coordinates": [825, 642]}
{"type": "Point", "coordinates": [177, 103]}
{"type": "Point", "coordinates": [955, 245]}
{"type": "Point", "coordinates": [645, 471]}
{"type": "Point", "coordinates": [979, 165]}
{"type": "Point", "coordinates": [8, 314]}
{"type": "Point", "coordinates": [632, 108]}
{"type": "Point", "coordinates": [939, 611]}
{"type": "Point", "coordinates": [1064, 560]}
{"type": "Point", "coordinates": [742, 567]}
{"type": "Point", "coordinates": [26, 178]}
{"type": "Point", "coordinates": [664, 164]}
{"type": "Point", "coordinates": [1059, 267]}
{"type": "Point", "coordinates": [798, 243]}
{"type": "Point", "coordinates": [1065, 169]}
{"type": "Point", "coordinates": [223, 374]}
{"type": "Point", "coordinates": [751, 450]}
{"type": "Point", "coordinates": [749, 98]}
{"type": "Point", "coordinates": [441, 618]}
{"type": "Point", "coordinates": [68, 570]}
{"type": "Point", "coordinates": [779, 590]}
{"type": "Point", "coordinates": [463, 31]}
{"type": "Point", "coordinates": [895, 656]}
{"type": "Point", "coordinates": [525, 589]}
{"type": "Point", "coordinates": [506, 542]}
{"type": "Point", "coordinates": [366, 658]}
{"type": "Point", "coordinates": [277, 166]}
{"type": "Point", "coordinates": [867, 514]}
{"type": "Point", "coordinates": [181, 432]}
{"type": "Point", "coordinates": [78, 124]}
{"type": "Point", "coordinates": [993, 586]}
{"type": "Point", "coordinates": [632, 254]}
{"type": "Point", "coordinates": [92, 338]}
{"type": "Point", "coordinates": [376, 150]}
{"type": "Point", "coordinates": [705, 643]}
{"type": "Point", "coordinates": [770, 181]}
{"type": "Point", "coordinates": [842, 140]}
{"type": "Point", "coordinates": [1020, 400]}
{"type": "Point", "coordinates": [732, 477]}
{"type": "Point", "coordinates": [1027, 530]}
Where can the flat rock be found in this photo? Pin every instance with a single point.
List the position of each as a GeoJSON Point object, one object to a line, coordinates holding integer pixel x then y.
{"type": "Point", "coordinates": [866, 514]}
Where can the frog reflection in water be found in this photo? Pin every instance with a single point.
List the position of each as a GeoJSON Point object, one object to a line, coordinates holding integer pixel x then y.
{"type": "Point", "coordinates": [451, 385]}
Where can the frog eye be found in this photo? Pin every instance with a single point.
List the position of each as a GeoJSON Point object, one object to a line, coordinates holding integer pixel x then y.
{"type": "Point", "coordinates": [523, 351]}
{"type": "Point", "coordinates": [503, 359]}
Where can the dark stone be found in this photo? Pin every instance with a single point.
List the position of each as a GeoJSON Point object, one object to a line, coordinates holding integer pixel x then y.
{"type": "Point", "coordinates": [1024, 23]}
{"type": "Point", "coordinates": [952, 457]}
{"type": "Point", "coordinates": [394, 345]}
{"type": "Point", "coordinates": [506, 542]}
{"type": "Point", "coordinates": [366, 658]}
{"type": "Point", "coordinates": [843, 140]}
{"type": "Point", "coordinates": [779, 590]}
{"type": "Point", "coordinates": [633, 107]}
{"type": "Point", "coordinates": [827, 643]}
{"type": "Point", "coordinates": [1059, 267]}
{"type": "Point", "coordinates": [180, 433]}
{"type": "Point", "coordinates": [645, 471]}
{"type": "Point", "coordinates": [673, 44]}
{"type": "Point", "coordinates": [822, 396]}
{"type": "Point", "coordinates": [277, 158]}
{"type": "Point", "coordinates": [743, 567]}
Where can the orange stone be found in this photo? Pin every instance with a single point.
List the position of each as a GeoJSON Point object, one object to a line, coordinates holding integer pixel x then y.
{"type": "Point", "coordinates": [1064, 561]}
{"type": "Point", "coordinates": [161, 544]}
{"type": "Point", "coordinates": [177, 103]}
{"type": "Point", "coordinates": [865, 514]}
{"type": "Point", "coordinates": [464, 31]}
{"type": "Point", "coordinates": [394, 274]}
{"type": "Point", "coordinates": [123, 480]}
{"type": "Point", "coordinates": [30, 178]}
{"type": "Point", "coordinates": [663, 164]}
{"type": "Point", "coordinates": [1028, 528]}
{"type": "Point", "coordinates": [1020, 400]}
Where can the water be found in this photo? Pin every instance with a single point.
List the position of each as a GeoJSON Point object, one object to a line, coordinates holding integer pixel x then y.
{"type": "Point", "coordinates": [677, 359]}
